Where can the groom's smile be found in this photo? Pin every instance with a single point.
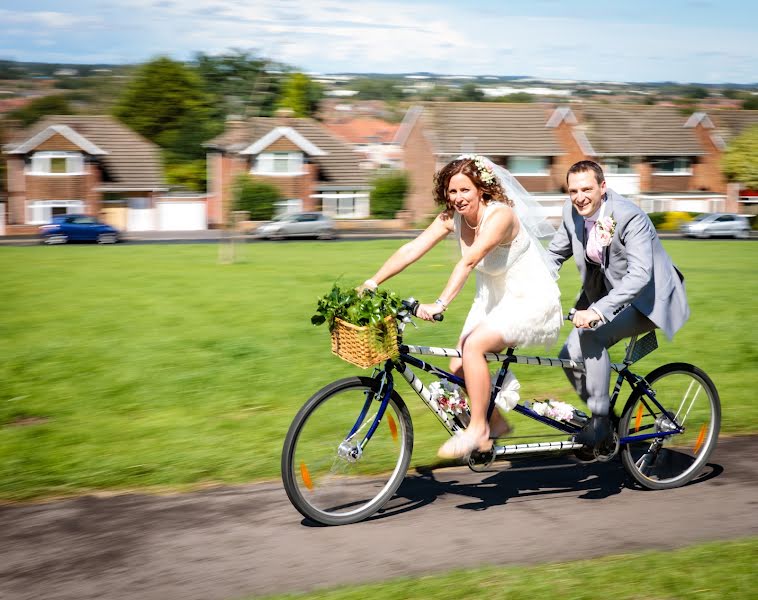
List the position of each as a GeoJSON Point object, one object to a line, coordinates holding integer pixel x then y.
{"type": "Point", "coordinates": [585, 192]}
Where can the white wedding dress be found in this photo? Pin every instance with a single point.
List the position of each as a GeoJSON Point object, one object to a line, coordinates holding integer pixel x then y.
{"type": "Point", "coordinates": [515, 293]}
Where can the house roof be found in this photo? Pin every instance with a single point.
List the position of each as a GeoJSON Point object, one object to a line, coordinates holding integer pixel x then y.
{"type": "Point", "coordinates": [364, 130]}
{"type": "Point", "coordinates": [338, 166]}
{"type": "Point", "coordinates": [131, 161]}
{"type": "Point", "coordinates": [491, 128]}
{"type": "Point", "coordinates": [631, 130]}
{"type": "Point", "coordinates": [731, 123]}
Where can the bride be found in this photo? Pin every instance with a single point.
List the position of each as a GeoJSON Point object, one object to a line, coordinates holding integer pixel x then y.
{"type": "Point", "coordinates": [517, 301]}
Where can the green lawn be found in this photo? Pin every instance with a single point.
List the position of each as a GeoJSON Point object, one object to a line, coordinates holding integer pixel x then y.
{"type": "Point", "coordinates": [707, 572]}
{"type": "Point", "coordinates": [155, 366]}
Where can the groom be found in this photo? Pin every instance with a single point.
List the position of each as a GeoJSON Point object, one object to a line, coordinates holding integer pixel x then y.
{"type": "Point", "coordinates": [629, 285]}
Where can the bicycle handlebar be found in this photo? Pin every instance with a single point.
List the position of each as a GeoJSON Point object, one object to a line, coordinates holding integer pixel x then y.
{"type": "Point", "coordinates": [412, 305]}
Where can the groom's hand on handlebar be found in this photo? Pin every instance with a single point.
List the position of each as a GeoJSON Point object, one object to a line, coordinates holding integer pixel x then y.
{"type": "Point", "coordinates": [583, 319]}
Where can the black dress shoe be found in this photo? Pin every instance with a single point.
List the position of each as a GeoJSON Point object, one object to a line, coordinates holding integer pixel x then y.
{"type": "Point", "coordinates": [596, 433]}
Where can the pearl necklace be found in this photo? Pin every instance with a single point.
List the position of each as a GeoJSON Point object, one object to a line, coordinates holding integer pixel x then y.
{"type": "Point", "coordinates": [470, 226]}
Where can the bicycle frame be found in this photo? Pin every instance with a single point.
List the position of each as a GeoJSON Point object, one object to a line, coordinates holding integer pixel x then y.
{"type": "Point", "coordinates": [403, 363]}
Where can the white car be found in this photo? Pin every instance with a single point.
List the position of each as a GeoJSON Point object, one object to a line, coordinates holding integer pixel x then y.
{"type": "Point", "coordinates": [305, 224]}
{"type": "Point", "coordinates": [717, 224]}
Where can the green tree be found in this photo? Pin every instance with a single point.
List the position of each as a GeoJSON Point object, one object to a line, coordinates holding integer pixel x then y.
{"type": "Point", "coordinates": [164, 99]}
{"type": "Point", "coordinates": [300, 94]}
{"type": "Point", "coordinates": [240, 83]}
{"type": "Point", "coordinates": [388, 194]}
{"type": "Point", "coordinates": [388, 90]}
{"type": "Point", "coordinates": [740, 162]}
{"type": "Point", "coordinates": [40, 107]}
{"type": "Point", "coordinates": [190, 174]}
{"type": "Point", "coordinates": [517, 97]}
{"type": "Point", "coordinates": [469, 92]}
{"type": "Point", "coordinates": [257, 197]}
{"type": "Point", "coordinates": [750, 102]}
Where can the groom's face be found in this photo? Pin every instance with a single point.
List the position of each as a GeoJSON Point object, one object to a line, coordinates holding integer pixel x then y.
{"type": "Point", "coordinates": [585, 192]}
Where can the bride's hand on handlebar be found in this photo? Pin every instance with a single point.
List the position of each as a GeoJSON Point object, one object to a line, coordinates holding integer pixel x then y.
{"type": "Point", "coordinates": [427, 311]}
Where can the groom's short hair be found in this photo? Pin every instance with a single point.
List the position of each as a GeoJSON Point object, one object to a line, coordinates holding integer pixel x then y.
{"type": "Point", "coordinates": [583, 166]}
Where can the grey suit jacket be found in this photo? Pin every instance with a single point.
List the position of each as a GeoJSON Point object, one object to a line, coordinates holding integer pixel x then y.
{"type": "Point", "coordinates": [635, 268]}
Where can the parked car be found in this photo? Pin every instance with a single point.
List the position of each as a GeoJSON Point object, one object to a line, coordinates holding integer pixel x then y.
{"type": "Point", "coordinates": [303, 224]}
{"type": "Point", "coordinates": [717, 224]}
{"type": "Point", "coordinates": [78, 228]}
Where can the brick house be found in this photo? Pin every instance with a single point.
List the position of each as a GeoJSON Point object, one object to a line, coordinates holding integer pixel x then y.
{"type": "Point", "coordinates": [716, 128]}
{"type": "Point", "coordinates": [649, 153]}
{"type": "Point", "coordinates": [371, 138]}
{"type": "Point", "coordinates": [81, 164]}
{"type": "Point", "coordinates": [515, 136]}
{"type": "Point", "coordinates": [314, 169]}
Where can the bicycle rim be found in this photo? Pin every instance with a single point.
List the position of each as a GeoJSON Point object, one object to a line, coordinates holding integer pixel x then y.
{"type": "Point", "coordinates": [689, 399]}
{"type": "Point", "coordinates": [334, 478]}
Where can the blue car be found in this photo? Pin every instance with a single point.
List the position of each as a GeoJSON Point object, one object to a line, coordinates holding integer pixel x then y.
{"type": "Point", "coordinates": [78, 228]}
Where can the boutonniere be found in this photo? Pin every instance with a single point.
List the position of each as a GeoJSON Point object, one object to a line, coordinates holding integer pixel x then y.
{"type": "Point", "coordinates": [605, 228]}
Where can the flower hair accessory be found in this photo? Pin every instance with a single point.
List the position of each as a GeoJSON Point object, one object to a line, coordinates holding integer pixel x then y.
{"type": "Point", "coordinates": [485, 171]}
{"type": "Point", "coordinates": [605, 228]}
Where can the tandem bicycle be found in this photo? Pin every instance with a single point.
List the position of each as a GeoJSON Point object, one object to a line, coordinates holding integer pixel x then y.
{"type": "Point", "coordinates": [348, 448]}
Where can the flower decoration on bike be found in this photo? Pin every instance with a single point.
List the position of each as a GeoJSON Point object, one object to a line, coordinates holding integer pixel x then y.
{"type": "Point", "coordinates": [448, 397]}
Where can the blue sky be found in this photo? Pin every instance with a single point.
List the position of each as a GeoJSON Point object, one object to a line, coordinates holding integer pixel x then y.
{"type": "Point", "coordinates": [677, 40]}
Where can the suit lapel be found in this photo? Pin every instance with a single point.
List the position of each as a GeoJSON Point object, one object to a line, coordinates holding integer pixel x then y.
{"type": "Point", "coordinates": [608, 212]}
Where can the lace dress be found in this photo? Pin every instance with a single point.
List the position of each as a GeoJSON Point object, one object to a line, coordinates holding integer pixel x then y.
{"type": "Point", "coordinates": [515, 293]}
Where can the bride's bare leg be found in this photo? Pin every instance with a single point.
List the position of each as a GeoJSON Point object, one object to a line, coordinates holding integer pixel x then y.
{"type": "Point", "coordinates": [477, 375]}
{"type": "Point", "coordinates": [499, 426]}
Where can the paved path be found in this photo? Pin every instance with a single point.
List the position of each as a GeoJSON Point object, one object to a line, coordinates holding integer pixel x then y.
{"type": "Point", "coordinates": [234, 542]}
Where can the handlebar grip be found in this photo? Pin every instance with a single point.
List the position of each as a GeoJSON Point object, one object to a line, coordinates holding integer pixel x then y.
{"type": "Point", "coordinates": [570, 317]}
{"type": "Point", "coordinates": [412, 305]}
{"type": "Point", "coordinates": [438, 317]}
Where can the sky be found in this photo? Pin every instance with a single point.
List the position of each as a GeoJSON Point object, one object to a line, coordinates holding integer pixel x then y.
{"type": "Point", "coordinates": [663, 40]}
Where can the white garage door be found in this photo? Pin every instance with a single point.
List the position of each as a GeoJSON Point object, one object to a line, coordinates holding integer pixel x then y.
{"type": "Point", "coordinates": [182, 216]}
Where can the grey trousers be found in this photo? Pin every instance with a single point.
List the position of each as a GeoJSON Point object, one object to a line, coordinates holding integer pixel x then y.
{"type": "Point", "coordinates": [591, 345]}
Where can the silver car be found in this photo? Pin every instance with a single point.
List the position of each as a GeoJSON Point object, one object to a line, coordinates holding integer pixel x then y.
{"type": "Point", "coordinates": [717, 224]}
{"type": "Point", "coordinates": [304, 224]}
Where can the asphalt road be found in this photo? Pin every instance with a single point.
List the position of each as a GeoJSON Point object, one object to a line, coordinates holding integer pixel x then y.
{"type": "Point", "coordinates": [234, 542]}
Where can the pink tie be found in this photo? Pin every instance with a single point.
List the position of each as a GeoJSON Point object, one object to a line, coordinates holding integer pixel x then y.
{"type": "Point", "coordinates": [594, 249]}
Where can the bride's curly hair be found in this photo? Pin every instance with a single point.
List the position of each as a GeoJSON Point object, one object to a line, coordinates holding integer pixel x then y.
{"type": "Point", "coordinates": [471, 168]}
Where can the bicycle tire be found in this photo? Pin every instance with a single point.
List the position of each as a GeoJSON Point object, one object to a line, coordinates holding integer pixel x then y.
{"type": "Point", "coordinates": [328, 478]}
{"type": "Point", "coordinates": [673, 460]}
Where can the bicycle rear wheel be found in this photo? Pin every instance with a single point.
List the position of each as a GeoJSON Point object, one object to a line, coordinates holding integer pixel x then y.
{"type": "Point", "coordinates": [331, 476]}
{"type": "Point", "coordinates": [690, 400]}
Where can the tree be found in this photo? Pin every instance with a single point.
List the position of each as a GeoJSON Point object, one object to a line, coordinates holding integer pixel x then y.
{"type": "Point", "coordinates": [740, 162]}
{"type": "Point", "coordinates": [256, 197]}
{"type": "Point", "coordinates": [40, 107]}
{"type": "Point", "coordinates": [164, 99]}
{"type": "Point", "coordinates": [388, 194]}
{"type": "Point", "coordinates": [240, 83]}
{"type": "Point", "coordinates": [469, 92]}
{"type": "Point", "coordinates": [300, 94]}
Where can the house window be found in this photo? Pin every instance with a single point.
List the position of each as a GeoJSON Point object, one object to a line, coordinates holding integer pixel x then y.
{"type": "Point", "coordinates": [57, 163]}
{"type": "Point", "coordinates": [42, 211]}
{"type": "Point", "coordinates": [279, 163]}
{"type": "Point", "coordinates": [345, 205]}
{"type": "Point", "coordinates": [285, 207]}
{"type": "Point", "coordinates": [680, 165]}
{"type": "Point", "coordinates": [529, 165]}
{"type": "Point", "coordinates": [618, 165]}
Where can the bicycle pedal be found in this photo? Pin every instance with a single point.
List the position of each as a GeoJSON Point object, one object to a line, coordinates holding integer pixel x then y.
{"type": "Point", "coordinates": [481, 461]}
{"type": "Point", "coordinates": [608, 452]}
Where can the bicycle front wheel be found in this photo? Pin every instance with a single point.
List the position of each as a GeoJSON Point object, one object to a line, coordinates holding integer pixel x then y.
{"type": "Point", "coordinates": [331, 472]}
{"type": "Point", "coordinates": [690, 402]}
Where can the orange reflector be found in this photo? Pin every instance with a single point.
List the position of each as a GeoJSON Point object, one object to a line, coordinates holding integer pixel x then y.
{"type": "Point", "coordinates": [700, 437]}
{"type": "Point", "coordinates": [306, 476]}
{"type": "Point", "coordinates": [638, 418]}
{"type": "Point", "coordinates": [393, 426]}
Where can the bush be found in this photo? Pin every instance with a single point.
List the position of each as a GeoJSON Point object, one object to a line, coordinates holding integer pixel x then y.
{"type": "Point", "coordinates": [388, 194]}
{"type": "Point", "coordinates": [670, 221]}
{"type": "Point", "coordinates": [256, 197]}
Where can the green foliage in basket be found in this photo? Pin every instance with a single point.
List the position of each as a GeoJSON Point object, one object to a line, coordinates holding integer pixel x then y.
{"type": "Point", "coordinates": [368, 308]}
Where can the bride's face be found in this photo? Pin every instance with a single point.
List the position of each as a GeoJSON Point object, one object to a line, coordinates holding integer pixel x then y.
{"type": "Point", "coordinates": [464, 195]}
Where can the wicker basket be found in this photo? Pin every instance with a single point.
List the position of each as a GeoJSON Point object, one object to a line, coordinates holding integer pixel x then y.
{"type": "Point", "coordinates": [364, 346]}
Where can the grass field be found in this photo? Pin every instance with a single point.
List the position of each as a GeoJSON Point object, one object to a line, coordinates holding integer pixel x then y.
{"type": "Point", "coordinates": [707, 572]}
{"type": "Point", "coordinates": [154, 366]}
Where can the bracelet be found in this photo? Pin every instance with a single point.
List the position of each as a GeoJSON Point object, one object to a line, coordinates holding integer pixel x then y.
{"type": "Point", "coordinates": [441, 303]}
{"type": "Point", "coordinates": [371, 284]}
